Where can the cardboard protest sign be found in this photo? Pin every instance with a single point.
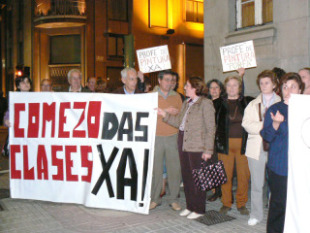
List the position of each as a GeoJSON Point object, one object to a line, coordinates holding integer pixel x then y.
{"type": "Point", "coordinates": [235, 56]}
{"type": "Point", "coordinates": [154, 59]}
{"type": "Point", "coordinates": [90, 149]}
{"type": "Point", "coordinates": [298, 186]}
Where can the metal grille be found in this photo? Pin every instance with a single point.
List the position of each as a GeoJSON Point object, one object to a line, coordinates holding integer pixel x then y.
{"type": "Point", "coordinates": [59, 7]}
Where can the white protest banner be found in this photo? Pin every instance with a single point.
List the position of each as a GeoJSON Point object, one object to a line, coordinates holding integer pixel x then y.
{"type": "Point", "coordinates": [235, 56]}
{"type": "Point", "coordinates": [90, 149]}
{"type": "Point", "coordinates": [154, 59]}
{"type": "Point", "coordinates": [298, 186]}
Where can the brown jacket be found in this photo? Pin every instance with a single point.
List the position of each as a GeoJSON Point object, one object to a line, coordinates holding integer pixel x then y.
{"type": "Point", "coordinates": [199, 127]}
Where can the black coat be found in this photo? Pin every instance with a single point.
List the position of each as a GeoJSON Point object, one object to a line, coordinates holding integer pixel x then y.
{"type": "Point", "coordinates": [222, 123]}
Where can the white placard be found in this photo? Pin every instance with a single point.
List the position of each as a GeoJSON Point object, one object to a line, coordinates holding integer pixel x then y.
{"type": "Point", "coordinates": [235, 56]}
{"type": "Point", "coordinates": [298, 186]}
{"type": "Point", "coordinates": [154, 59]}
{"type": "Point", "coordinates": [84, 148]}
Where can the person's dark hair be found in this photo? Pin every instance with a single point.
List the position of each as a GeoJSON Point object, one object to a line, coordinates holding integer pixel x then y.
{"type": "Point", "coordinates": [91, 78]}
{"type": "Point", "coordinates": [279, 72]}
{"type": "Point", "coordinates": [164, 72]}
{"type": "Point", "coordinates": [267, 74]}
{"type": "Point", "coordinates": [199, 85]}
{"type": "Point", "coordinates": [20, 79]}
{"type": "Point", "coordinates": [177, 80]}
{"type": "Point", "coordinates": [219, 83]}
{"type": "Point", "coordinates": [147, 81]}
{"type": "Point", "coordinates": [293, 76]}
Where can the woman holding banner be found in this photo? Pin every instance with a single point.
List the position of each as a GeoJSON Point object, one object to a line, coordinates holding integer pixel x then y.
{"type": "Point", "coordinates": [23, 84]}
{"type": "Point", "coordinates": [255, 151]}
{"type": "Point", "coordinates": [196, 125]}
{"type": "Point", "coordinates": [275, 131]}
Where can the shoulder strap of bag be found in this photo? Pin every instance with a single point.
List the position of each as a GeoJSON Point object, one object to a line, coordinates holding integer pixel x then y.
{"type": "Point", "coordinates": [260, 112]}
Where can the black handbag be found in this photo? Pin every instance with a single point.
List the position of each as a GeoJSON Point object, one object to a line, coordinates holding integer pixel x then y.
{"type": "Point", "coordinates": [210, 175]}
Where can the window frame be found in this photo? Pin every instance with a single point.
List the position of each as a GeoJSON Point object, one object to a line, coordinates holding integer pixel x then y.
{"type": "Point", "coordinates": [258, 12]}
{"type": "Point", "coordinates": [117, 37]}
{"type": "Point", "coordinates": [150, 12]}
{"type": "Point", "coordinates": [185, 11]}
{"type": "Point", "coordinates": [117, 19]}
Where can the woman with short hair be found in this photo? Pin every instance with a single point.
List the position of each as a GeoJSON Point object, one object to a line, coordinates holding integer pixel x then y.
{"type": "Point", "coordinates": [252, 122]}
{"type": "Point", "coordinates": [216, 89]}
{"type": "Point", "coordinates": [230, 141]}
{"type": "Point", "coordinates": [23, 84]}
{"type": "Point", "coordinates": [275, 131]}
{"type": "Point", "coordinates": [196, 126]}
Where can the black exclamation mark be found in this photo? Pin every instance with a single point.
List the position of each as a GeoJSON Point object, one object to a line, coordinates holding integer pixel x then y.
{"type": "Point", "coordinates": [145, 169]}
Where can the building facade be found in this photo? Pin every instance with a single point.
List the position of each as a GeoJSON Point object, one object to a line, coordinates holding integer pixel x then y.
{"type": "Point", "coordinates": [99, 37]}
{"type": "Point", "coordinates": [279, 29]}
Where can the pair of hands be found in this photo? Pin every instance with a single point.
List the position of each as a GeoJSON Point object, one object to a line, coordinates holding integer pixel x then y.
{"type": "Point", "coordinates": [277, 119]}
{"type": "Point", "coordinates": [171, 110]}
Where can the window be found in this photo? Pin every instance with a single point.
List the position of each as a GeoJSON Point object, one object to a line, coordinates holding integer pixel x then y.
{"type": "Point", "coordinates": [115, 45]}
{"type": "Point", "coordinates": [118, 10]}
{"type": "Point", "coordinates": [254, 12]}
{"type": "Point", "coordinates": [194, 11]}
{"type": "Point", "coordinates": [158, 13]}
{"type": "Point", "coordinates": [65, 49]}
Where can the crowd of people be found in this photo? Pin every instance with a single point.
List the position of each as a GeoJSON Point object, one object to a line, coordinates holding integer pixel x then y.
{"type": "Point", "coordinates": [214, 121]}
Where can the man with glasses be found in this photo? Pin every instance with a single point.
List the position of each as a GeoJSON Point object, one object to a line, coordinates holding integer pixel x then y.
{"type": "Point", "coordinates": [166, 144]}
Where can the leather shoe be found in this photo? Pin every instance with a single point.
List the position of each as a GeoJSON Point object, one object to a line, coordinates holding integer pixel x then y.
{"type": "Point", "coordinates": [224, 209]}
{"type": "Point", "coordinates": [175, 206]}
{"type": "Point", "coordinates": [243, 210]}
{"type": "Point", "coordinates": [194, 215]}
{"type": "Point", "coordinates": [215, 196]}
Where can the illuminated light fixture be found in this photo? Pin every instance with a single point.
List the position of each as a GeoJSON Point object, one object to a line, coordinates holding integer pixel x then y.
{"type": "Point", "coordinates": [170, 31]}
{"type": "Point", "coordinates": [22, 70]}
{"type": "Point", "coordinates": [19, 73]}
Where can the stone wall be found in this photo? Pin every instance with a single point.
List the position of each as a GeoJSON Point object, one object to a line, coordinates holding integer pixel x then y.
{"type": "Point", "coordinates": [283, 43]}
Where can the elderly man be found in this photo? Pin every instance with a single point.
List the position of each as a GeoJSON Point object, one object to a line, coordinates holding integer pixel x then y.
{"type": "Point", "coordinates": [130, 80]}
{"type": "Point", "coordinates": [75, 79]}
{"type": "Point", "coordinates": [166, 144]}
{"type": "Point", "coordinates": [46, 85]}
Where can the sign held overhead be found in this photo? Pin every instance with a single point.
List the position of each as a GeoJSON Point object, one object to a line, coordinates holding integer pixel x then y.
{"type": "Point", "coordinates": [235, 56]}
{"type": "Point", "coordinates": [154, 59]}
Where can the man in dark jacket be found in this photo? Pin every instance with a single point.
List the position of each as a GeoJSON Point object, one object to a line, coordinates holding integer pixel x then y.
{"type": "Point", "coordinates": [130, 80]}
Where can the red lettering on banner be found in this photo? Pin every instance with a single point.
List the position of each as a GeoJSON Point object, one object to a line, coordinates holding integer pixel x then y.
{"type": "Point", "coordinates": [69, 163]}
{"type": "Point", "coordinates": [28, 173]}
{"type": "Point", "coordinates": [49, 115]}
{"type": "Point", "coordinates": [42, 165]}
{"type": "Point", "coordinates": [33, 120]}
{"type": "Point", "coordinates": [18, 132]}
{"type": "Point", "coordinates": [58, 163]}
{"type": "Point", "coordinates": [15, 174]}
{"type": "Point", "coordinates": [79, 133]}
{"type": "Point", "coordinates": [63, 120]}
{"type": "Point", "coordinates": [85, 150]}
{"type": "Point", "coordinates": [94, 110]}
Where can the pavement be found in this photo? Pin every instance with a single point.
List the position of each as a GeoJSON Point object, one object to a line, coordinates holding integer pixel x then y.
{"type": "Point", "coordinates": [31, 216]}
